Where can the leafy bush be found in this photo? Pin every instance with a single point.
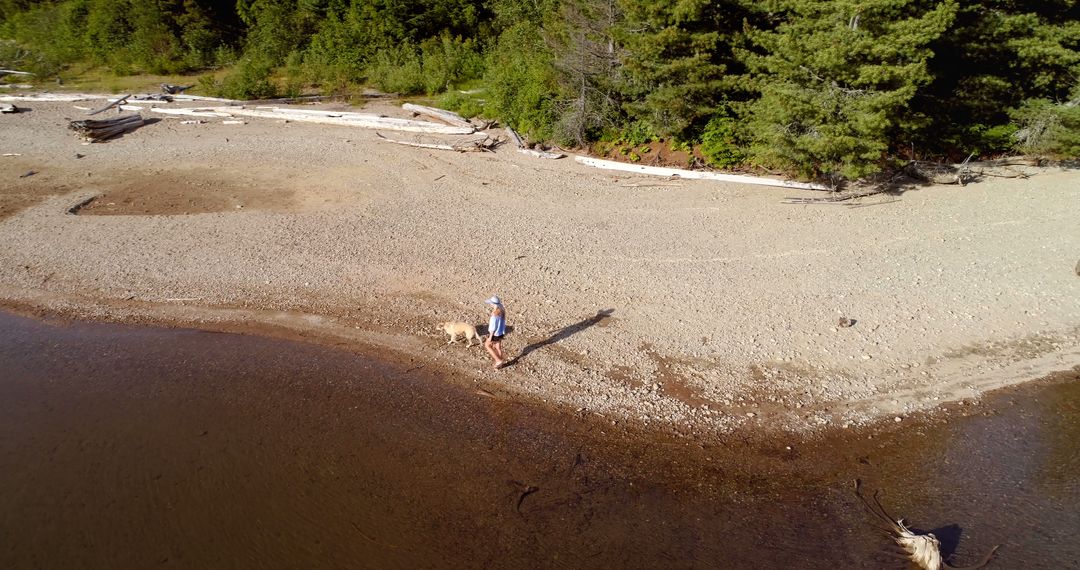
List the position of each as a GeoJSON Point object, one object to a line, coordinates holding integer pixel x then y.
{"type": "Point", "coordinates": [447, 61]}
{"type": "Point", "coordinates": [722, 140]}
{"type": "Point", "coordinates": [463, 104]}
{"type": "Point", "coordinates": [1048, 128]}
{"type": "Point", "coordinates": [250, 79]}
{"type": "Point", "coordinates": [521, 82]}
{"type": "Point", "coordinates": [397, 70]}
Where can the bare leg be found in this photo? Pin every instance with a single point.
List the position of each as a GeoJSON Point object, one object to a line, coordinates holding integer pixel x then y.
{"type": "Point", "coordinates": [453, 339]}
{"type": "Point", "coordinates": [492, 348]}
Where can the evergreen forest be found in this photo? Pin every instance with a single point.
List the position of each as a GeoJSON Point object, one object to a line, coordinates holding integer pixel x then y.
{"type": "Point", "coordinates": [837, 89]}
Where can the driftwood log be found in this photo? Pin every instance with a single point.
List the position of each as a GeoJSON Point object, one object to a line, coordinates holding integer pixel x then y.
{"type": "Point", "coordinates": [184, 112]}
{"type": "Point", "coordinates": [520, 144]}
{"type": "Point", "coordinates": [472, 145]}
{"type": "Point", "coordinates": [8, 108]}
{"type": "Point", "coordinates": [447, 117]}
{"type": "Point", "coordinates": [349, 119]}
{"type": "Point", "coordinates": [97, 130]}
{"type": "Point", "coordinates": [169, 89]}
{"type": "Point", "coordinates": [112, 104]}
{"type": "Point", "coordinates": [13, 72]}
{"type": "Point", "coordinates": [52, 97]}
{"type": "Point", "coordinates": [698, 174]}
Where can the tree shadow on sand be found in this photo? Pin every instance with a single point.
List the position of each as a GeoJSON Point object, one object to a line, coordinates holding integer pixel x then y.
{"type": "Point", "coordinates": [561, 334]}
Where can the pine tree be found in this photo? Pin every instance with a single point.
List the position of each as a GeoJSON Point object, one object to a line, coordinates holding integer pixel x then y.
{"type": "Point", "coordinates": [589, 70]}
{"type": "Point", "coordinates": [998, 54]}
{"type": "Point", "coordinates": [680, 60]}
{"type": "Point", "coordinates": [836, 80]}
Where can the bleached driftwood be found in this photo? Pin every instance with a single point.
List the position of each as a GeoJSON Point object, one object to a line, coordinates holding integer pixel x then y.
{"type": "Point", "coordinates": [186, 97]}
{"type": "Point", "coordinates": [189, 112]}
{"type": "Point", "coordinates": [445, 116]}
{"type": "Point", "coordinates": [52, 97]}
{"type": "Point", "coordinates": [541, 153]}
{"type": "Point", "coordinates": [474, 145]}
{"type": "Point", "coordinates": [111, 104]}
{"type": "Point", "coordinates": [95, 130]}
{"type": "Point", "coordinates": [13, 72]}
{"type": "Point", "coordinates": [362, 120]}
{"type": "Point", "coordinates": [8, 108]}
{"type": "Point", "coordinates": [697, 174]}
{"type": "Point", "coordinates": [525, 150]}
{"type": "Point", "coordinates": [312, 112]}
{"type": "Point", "coordinates": [515, 137]}
{"type": "Point", "coordinates": [16, 86]}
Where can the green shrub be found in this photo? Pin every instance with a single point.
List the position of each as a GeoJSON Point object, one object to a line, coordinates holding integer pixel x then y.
{"type": "Point", "coordinates": [397, 70]}
{"type": "Point", "coordinates": [637, 134]}
{"type": "Point", "coordinates": [250, 79]}
{"type": "Point", "coordinates": [722, 141]}
{"type": "Point", "coordinates": [1047, 128]}
{"type": "Point", "coordinates": [521, 83]}
{"type": "Point", "coordinates": [448, 61]}
{"type": "Point", "coordinates": [461, 103]}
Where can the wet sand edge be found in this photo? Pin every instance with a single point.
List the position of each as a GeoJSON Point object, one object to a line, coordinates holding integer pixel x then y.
{"type": "Point", "coordinates": [758, 431]}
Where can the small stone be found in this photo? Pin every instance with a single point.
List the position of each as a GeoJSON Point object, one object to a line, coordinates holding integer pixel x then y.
{"type": "Point", "coordinates": [866, 357]}
{"type": "Point", "coordinates": [750, 414]}
{"type": "Point", "coordinates": [898, 419]}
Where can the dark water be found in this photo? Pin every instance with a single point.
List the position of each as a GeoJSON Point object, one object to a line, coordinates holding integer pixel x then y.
{"type": "Point", "coordinates": [128, 447]}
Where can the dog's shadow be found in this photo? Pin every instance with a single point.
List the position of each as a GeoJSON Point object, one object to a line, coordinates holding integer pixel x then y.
{"type": "Point", "coordinates": [562, 334]}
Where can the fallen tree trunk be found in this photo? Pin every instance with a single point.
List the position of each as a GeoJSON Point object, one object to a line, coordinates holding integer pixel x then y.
{"type": "Point", "coordinates": [16, 86]}
{"type": "Point", "coordinates": [475, 145]}
{"type": "Point", "coordinates": [697, 174]}
{"type": "Point", "coordinates": [362, 120]}
{"type": "Point", "coordinates": [52, 97]}
{"type": "Point", "coordinates": [185, 97]}
{"type": "Point", "coordinates": [447, 117]}
{"type": "Point", "coordinates": [13, 72]}
{"type": "Point", "coordinates": [96, 130]}
{"type": "Point", "coordinates": [119, 101]}
{"type": "Point", "coordinates": [515, 137]}
{"type": "Point", "coordinates": [187, 112]}
{"type": "Point", "coordinates": [525, 150]}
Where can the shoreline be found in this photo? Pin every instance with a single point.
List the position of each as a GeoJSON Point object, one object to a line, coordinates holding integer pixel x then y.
{"type": "Point", "coordinates": [698, 306]}
{"type": "Point", "coordinates": [762, 429]}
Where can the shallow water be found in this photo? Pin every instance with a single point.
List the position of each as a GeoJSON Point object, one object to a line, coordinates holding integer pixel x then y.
{"type": "Point", "coordinates": [137, 447]}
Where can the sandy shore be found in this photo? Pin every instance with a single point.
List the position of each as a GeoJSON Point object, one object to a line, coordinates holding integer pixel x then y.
{"type": "Point", "coordinates": [696, 305]}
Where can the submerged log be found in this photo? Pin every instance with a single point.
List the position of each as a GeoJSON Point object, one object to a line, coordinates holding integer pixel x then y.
{"type": "Point", "coordinates": [447, 117]}
{"type": "Point", "coordinates": [96, 130]}
{"type": "Point", "coordinates": [698, 174]}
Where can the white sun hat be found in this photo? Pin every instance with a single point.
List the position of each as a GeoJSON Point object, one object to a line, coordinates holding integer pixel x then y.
{"type": "Point", "coordinates": [494, 300]}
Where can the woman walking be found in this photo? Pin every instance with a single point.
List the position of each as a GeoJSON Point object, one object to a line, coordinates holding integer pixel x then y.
{"type": "Point", "coordinates": [496, 331]}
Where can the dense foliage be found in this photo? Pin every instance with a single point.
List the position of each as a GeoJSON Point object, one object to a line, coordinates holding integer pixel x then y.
{"type": "Point", "coordinates": [823, 88]}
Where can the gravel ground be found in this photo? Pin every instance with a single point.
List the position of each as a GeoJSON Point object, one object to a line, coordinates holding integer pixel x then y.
{"type": "Point", "coordinates": [695, 305]}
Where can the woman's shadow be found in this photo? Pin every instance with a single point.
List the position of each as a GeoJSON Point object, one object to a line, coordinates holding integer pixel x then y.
{"type": "Point", "coordinates": [563, 333]}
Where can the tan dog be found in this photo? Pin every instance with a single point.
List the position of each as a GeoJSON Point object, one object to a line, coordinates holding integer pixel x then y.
{"type": "Point", "coordinates": [464, 329]}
